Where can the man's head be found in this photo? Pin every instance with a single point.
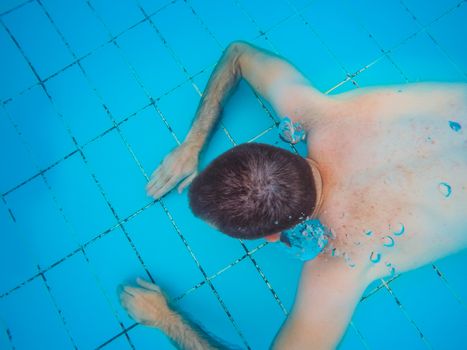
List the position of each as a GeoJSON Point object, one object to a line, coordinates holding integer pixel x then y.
{"type": "Point", "coordinates": [254, 190]}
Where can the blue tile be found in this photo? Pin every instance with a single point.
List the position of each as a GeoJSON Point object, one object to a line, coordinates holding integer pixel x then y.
{"type": "Point", "coordinates": [388, 22]}
{"type": "Point", "coordinates": [428, 12]}
{"type": "Point", "coordinates": [243, 116]}
{"type": "Point", "coordinates": [149, 138]}
{"type": "Point", "coordinates": [115, 263]}
{"type": "Point", "coordinates": [38, 38]}
{"type": "Point", "coordinates": [85, 309]}
{"type": "Point", "coordinates": [151, 6]}
{"type": "Point", "coordinates": [145, 338]}
{"type": "Point", "coordinates": [351, 340]}
{"type": "Point", "coordinates": [239, 301]}
{"type": "Point", "coordinates": [118, 173]}
{"type": "Point", "coordinates": [8, 5]}
{"type": "Point", "coordinates": [205, 242]}
{"type": "Point", "coordinates": [4, 340]}
{"type": "Point", "coordinates": [78, 104]}
{"type": "Point", "coordinates": [330, 20]}
{"type": "Point", "coordinates": [157, 69]}
{"type": "Point", "coordinates": [79, 197]}
{"type": "Point", "coordinates": [118, 15]}
{"type": "Point", "coordinates": [76, 21]}
{"type": "Point", "coordinates": [282, 271]}
{"type": "Point", "coordinates": [163, 251]}
{"type": "Point", "coordinates": [16, 262]}
{"type": "Point", "coordinates": [449, 32]}
{"type": "Point", "coordinates": [379, 317]}
{"type": "Point", "coordinates": [202, 307]}
{"type": "Point", "coordinates": [18, 164]}
{"type": "Point", "coordinates": [451, 269]}
{"type": "Point", "coordinates": [180, 115]}
{"type": "Point", "coordinates": [313, 59]}
{"type": "Point", "coordinates": [383, 72]}
{"type": "Point", "coordinates": [113, 79]}
{"type": "Point", "coordinates": [221, 16]}
{"type": "Point", "coordinates": [268, 13]}
{"type": "Point", "coordinates": [300, 4]}
{"type": "Point", "coordinates": [433, 308]}
{"type": "Point", "coordinates": [16, 73]}
{"type": "Point", "coordinates": [33, 320]}
{"type": "Point", "coordinates": [121, 343]}
{"type": "Point", "coordinates": [40, 223]}
{"type": "Point", "coordinates": [184, 39]}
{"type": "Point", "coordinates": [217, 144]}
{"type": "Point", "coordinates": [40, 126]}
{"type": "Point", "coordinates": [421, 60]}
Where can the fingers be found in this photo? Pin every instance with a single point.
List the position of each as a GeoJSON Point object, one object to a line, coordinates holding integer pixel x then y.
{"type": "Point", "coordinates": [156, 184]}
{"type": "Point", "coordinates": [164, 188]}
{"type": "Point", "coordinates": [148, 285]}
{"type": "Point", "coordinates": [186, 182]}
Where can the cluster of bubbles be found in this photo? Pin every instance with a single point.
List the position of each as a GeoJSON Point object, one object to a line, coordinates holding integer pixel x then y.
{"type": "Point", "coordinates": [291, 132]}
{"type": "Point", "coordinates": [307, 239]}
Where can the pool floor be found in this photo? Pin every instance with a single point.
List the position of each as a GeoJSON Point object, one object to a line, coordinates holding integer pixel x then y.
{"type": "Point", "coordinates": [94, 94]}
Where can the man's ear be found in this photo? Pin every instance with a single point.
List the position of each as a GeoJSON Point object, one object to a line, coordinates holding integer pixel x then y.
{"type": "Point", "coordinates": [273, 237]}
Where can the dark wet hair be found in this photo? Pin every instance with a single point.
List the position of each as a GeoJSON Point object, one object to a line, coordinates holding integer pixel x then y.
{"type": "Point", "coordinates": [254, 190]}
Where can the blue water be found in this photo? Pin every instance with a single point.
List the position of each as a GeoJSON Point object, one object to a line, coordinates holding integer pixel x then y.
{"type": "Point", "coordinates": [94, 94]}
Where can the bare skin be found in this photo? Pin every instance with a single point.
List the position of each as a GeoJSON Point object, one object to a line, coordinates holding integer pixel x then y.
{"type": "Point", "coordinates": [384, 155]}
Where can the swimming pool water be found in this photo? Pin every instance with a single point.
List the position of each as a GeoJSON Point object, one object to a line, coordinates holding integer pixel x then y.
{"type": "Point", "coordinates": [94, 93]}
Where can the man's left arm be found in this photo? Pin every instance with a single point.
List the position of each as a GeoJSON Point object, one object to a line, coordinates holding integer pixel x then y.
{"type": "Point", "coordinates": [328, 293]}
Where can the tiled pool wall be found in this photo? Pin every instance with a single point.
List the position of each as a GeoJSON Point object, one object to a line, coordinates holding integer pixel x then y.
{"type": "Point", "coordinates": [95, 93]}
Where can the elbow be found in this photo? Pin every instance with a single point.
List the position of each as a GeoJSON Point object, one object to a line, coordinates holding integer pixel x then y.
{"type": "Point", "coordinates": [237, 45]}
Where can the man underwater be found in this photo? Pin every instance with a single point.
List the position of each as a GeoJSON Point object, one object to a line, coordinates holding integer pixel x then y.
{"type": "Point", "coordinates": [386, 172]}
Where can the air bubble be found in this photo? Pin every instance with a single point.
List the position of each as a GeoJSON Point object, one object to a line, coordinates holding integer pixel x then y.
{"type": "Point", "coordinates": [388, 241]}
{"type": "Point", "coordinates": [375, 257]}
{"type": "Point", "coordinates": [400, 232]}
{"type": "Point", "coordinates": [445, 189]}
{"type": "Point", "coordinates": [455, 126]}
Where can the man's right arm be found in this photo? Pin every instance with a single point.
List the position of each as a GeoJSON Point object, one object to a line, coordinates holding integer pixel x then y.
{"type": "Point", "coordinates": [268, 74]}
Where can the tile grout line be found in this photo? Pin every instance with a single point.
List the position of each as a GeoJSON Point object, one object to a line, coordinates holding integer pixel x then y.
{"type": "Point", "coordinates": [407, 316]}
{"type": "Point", "coordinates": [425, 28]}
{"type": "Point", "coordinates": [15, 7]}
{"type": "Point", "coordinates": [85, 55]}
{"type": "Point", "coordinates": [141, 169]}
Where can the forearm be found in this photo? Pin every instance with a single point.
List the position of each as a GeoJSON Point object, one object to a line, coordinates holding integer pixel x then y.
{"type": "Point", "coordinates": [223, 80]}
{"type": "Point", "coordinates": [188, 335]}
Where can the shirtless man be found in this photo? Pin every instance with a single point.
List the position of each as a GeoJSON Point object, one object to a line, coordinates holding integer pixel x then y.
{"type": "Point", "coordinates": [392, 163]}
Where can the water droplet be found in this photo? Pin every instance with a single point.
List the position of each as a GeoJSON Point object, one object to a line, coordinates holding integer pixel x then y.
{"type": "Point", "coordinates": [445, 189]}
{"type": "Point", "coordinates": [375, 257]}
{"type": "Point", "coordinates": [368, 233]}
{"type": "Point", "coordinates": [291, 132]}
{"type": "Point", "coordinates": [400, 232]}
{"type": "Point", "coordinates": [388, 241]}
{"type": "Point", "coordinates": [455, 126]}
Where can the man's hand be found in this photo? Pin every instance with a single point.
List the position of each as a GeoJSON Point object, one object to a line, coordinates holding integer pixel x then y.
{"type": "Point", "coordinates": [180, 164]}
{"type": "Point", "coordinates": [146, 304]}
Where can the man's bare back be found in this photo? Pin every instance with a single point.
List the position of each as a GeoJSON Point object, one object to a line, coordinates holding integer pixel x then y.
{"type": "Point", "coordinates": [391, 154]}
{"type": "Point", "coordinates": [387, 158]}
